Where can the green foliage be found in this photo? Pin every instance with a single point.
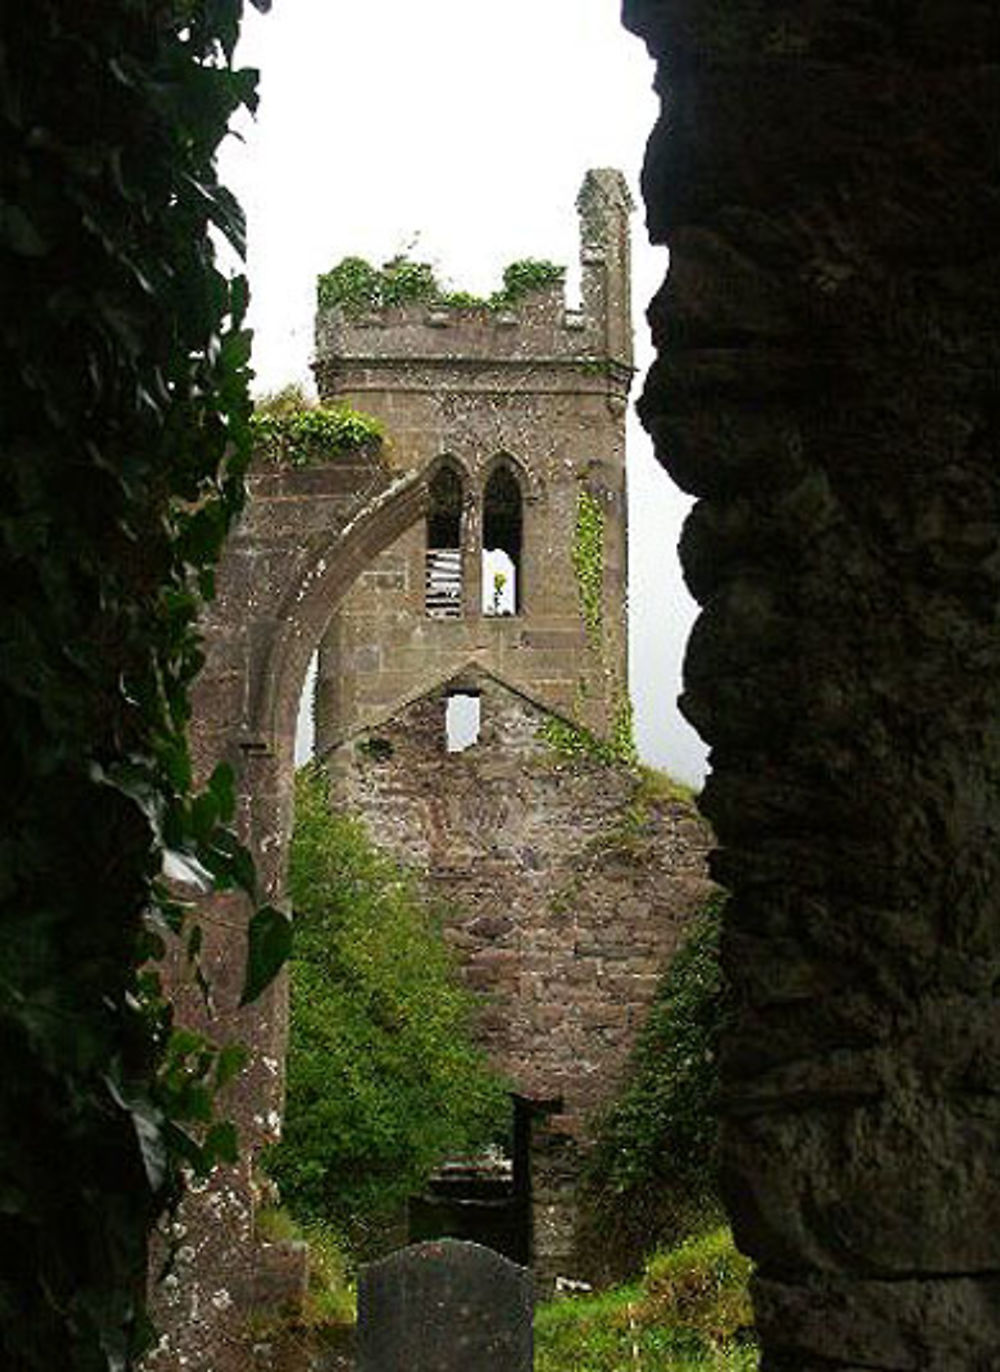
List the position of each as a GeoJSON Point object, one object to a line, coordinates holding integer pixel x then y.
{"type": "Point", "coordinates": [463, 300]}
{"type": "Point", "coordinates": [623, 734]}
{"type": "Point", "coordinates": [358, 287]}
{"type": "Point", "coordinates": [660, 1138]}
{"type": "Point", "coordinates": [691, 1310]}
{"type": "Point", "coordinates": [383, 1080]}
{"type": "Point", "coordinates": [303, 437]}
{"type": "Point", "coordinates": [575, 743]}
{"type": "Point", "coordinates": [656, 787]}
{"type": "Point", "coordinates": [330, 1298]}
{"type": "Point", "coordinates": [286, 400]}
{"type": "Point", "coordinates": [588, 561]}
{"type": "Point", "coordinates": [124, 434]}
{"type": "Point", "coordinates": [527, 276]}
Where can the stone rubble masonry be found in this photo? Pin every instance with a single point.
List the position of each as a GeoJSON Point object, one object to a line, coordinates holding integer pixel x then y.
{"type": "Point", "coordinates": [565, 892]}
{"type": "Point", "coordinates": [825, 177]}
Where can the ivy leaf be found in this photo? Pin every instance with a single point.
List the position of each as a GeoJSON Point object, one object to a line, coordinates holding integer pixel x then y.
{"type": "Point", "coordinates": [232, 1059]}
{"type": "Point", "coordinates": [221, 1143]}
{"type": "Point", "coordinates": [222, 785]}
{"type": "Point", "coordinates": [19, 233]}
{"type": "Point", "coordinates": [269, 944]}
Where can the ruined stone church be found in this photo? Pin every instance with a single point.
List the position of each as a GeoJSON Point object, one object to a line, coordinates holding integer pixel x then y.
{"type": "Point", "coordinates": [463, 585]}
{"type": "Point", "coordinates": [441, 682]}
{"type": "Point", "coordinates": [487, 630]}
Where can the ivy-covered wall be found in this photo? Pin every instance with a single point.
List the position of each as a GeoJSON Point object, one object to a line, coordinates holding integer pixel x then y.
{"type": "Point", "coordinates": [123, 435]}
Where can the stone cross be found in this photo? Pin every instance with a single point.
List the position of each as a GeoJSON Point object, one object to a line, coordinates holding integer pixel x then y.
{"type": "Point", "coordinates": [445, 1306]}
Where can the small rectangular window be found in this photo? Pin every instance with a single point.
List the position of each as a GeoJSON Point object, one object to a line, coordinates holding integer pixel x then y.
{"type": "Point", "coordinates": [462, 718]}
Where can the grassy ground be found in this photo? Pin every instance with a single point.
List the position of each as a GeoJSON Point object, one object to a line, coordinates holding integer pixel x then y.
{"type": "Point", "coordinates": [689, 1313]}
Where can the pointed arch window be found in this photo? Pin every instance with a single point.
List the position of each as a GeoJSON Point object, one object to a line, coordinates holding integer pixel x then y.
{"type": "Point", "coordinates": [502, 538]}
{"type": "Point", "coordinates": [443, 559]}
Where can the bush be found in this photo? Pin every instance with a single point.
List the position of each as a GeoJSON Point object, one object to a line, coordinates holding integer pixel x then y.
{"type": "Point", "coordinates": [307, 435]}
{"type": "Point", "coordinates": [652, 1178]}
{"type": "Point", "coordinates": [384, 1081]}
{"type": "Point", "coordinates": [357, 287]}
{"type": "Point", "coordinates": [690, 1310]}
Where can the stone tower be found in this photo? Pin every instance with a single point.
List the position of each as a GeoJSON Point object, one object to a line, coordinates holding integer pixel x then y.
{"type": "Point", "coordinates": [517, 419]}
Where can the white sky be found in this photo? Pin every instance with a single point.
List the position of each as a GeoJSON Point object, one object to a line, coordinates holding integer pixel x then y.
{"type": "Point", "coordinates": [467, 127]}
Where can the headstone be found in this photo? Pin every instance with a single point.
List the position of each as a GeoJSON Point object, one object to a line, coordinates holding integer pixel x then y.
{"type": "Point", "coordinates": [445, 1306]}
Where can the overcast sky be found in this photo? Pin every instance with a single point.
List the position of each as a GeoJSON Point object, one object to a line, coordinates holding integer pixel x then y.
{"type": "Point", "coordinates": [460, 132]}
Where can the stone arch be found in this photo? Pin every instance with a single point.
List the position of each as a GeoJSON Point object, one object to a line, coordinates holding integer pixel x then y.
{"type": "Point", "coordinates": [527, 477]}
{"type": "Point", "coordinates": [310, 602]}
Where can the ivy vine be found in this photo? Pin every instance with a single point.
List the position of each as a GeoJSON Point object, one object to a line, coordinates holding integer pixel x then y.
{"type": "Point", "coordinates": [588, 561]}
{"type": "Point", "coordinates": [124, 437]}
{"type": "Point", "coordinates": [359, 288]}
{"type": "Point", "coordinates": [576, 743]}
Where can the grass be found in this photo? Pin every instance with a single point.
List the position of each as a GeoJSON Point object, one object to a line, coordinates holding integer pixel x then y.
{"type": "Point", "coordinates": [655, 785]}
{"type": "Point", "coordinates": [690, 1312]}
{"type": "Point", "coordinates": [330, 1299]}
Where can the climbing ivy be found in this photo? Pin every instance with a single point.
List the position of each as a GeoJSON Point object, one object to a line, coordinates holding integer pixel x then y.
{"type": "Point", "coordinates": [576, 743]}
{"type": "Point", "coordinates": [124, 435]}
{"type": "Point", "coordinates": [310, 435]}
{"type": "Point", "coordinates": [652, 1177]}
{"type": "Point", "coordinates": [588, 560]}
{"type": "Point", "coordinates": [358, 287]}
{"type": "Point", "coordinates": [623, 734]}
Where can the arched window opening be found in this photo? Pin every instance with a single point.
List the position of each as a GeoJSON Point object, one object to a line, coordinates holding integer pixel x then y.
{"type": "Point", "coordinates": [502, 529]}
{"type": "Point", "coordinates": [443, 568]}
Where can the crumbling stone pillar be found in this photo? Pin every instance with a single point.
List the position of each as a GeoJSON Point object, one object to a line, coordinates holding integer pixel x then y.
{"type": "Point", "coordinates": [827, 384]}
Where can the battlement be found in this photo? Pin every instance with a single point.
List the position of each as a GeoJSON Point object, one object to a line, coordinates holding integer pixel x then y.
{"type": "Point", "coordinates": [538, 327]}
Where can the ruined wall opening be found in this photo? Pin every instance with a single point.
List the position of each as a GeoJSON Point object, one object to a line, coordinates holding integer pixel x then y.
{"type": "Point", "coordinates": [462, 720]}
{"type": "Point", "coordinates": [502, 539]}
{"type": "Point", "coordinates": [443, 565]}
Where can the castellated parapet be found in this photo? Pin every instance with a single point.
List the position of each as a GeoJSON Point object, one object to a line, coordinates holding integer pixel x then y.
{"type": "Point", "coordinates": [517, 418]}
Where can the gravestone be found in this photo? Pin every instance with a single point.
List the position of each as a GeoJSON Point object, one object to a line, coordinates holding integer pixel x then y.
{"type": "Point", "coordinates": [445, 1306]}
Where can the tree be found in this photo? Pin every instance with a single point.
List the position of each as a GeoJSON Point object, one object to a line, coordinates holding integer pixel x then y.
{"type": "Point", "coordinates": [384, 1080]}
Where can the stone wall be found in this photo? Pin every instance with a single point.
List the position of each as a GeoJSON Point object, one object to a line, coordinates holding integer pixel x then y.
{"type": "Point", "coordinates": [567, 884]}
{"type": "Point", "coordinates": [566, 889]}
{"type": "Point", "coordinates": [825, 176]}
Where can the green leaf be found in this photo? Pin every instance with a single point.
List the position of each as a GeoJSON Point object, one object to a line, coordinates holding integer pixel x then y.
{"type": "Point", "coordinates": [232, 1059]}
{"type": "Point", "coordinates": [20, 234]}
{"type": "Point", "coordinates": [222, 785]}
{"type": "Point", "coordinates": [221, 1143]}
{"type": "Point", "coordinates": [269, 944]}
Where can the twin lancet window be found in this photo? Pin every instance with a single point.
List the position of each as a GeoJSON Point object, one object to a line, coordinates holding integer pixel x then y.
{"type": "Point", "coordinates": [501, 544]}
